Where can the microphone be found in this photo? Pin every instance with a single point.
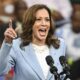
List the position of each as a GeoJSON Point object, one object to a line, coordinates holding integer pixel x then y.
{"type": "Point", "coordinates": [50, 61]}
{"type": "Point", "coordinates": [53, 69]}
{"type": "Point", "coordinates": [66, 67]}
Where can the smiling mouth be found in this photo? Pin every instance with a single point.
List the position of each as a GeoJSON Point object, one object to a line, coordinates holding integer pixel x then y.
{"type": "Point", "coordinates": [42, 30]}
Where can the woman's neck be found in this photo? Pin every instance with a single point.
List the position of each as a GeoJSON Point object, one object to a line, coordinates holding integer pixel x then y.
{"type": "Point", "coordinates": [40, 43]}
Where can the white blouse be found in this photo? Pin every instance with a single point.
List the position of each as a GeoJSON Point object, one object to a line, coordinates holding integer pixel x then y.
{"type": "Point", "coordinates": [41, 53]}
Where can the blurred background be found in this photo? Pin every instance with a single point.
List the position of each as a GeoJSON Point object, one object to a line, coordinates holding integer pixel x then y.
{"type": "Point", "coordinates": [66, 19]}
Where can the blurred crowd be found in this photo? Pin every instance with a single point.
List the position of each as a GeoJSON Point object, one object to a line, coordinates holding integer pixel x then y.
{"type": "Point", "coordinates": [66, 19]}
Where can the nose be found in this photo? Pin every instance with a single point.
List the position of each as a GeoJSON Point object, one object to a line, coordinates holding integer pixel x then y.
{"type": "Point", "coordinates": [43, 22]}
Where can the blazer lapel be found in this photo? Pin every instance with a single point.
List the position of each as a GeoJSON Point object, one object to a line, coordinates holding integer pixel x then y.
{"type": "Point", "coordinates": [31, 58]}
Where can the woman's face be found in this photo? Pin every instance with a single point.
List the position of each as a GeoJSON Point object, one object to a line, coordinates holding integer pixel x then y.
{"type": "Point", "coordinates": [41, 26]}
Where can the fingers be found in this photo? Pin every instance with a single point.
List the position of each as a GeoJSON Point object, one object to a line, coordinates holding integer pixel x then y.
{"type": "Point", "coordinates": [10, 33]}
{"type": "Point", "coordinates": [10, 23]}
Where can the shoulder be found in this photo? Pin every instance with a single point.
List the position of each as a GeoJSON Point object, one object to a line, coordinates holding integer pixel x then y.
{"type": "Point", "coordinates": [62, 47]}
{"type": "Point", "coordinates": [62, 44]}
{"type": "Point", "coordinates": [17, 45]}
{"type": "Point", "coordinates": [62, 41]}
{"type": "Point", "coordinates": [61, 50]}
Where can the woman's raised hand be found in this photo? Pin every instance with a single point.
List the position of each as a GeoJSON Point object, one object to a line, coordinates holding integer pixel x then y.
{"type": "Point", "coordinates": [10, 33]}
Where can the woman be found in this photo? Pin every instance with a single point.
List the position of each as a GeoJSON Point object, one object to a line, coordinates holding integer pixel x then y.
{"type": "Point", "coordinates": [27, 54]}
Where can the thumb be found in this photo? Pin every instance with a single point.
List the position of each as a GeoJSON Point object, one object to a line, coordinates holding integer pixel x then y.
{"type": "Point", "coordinates": [10, 23]}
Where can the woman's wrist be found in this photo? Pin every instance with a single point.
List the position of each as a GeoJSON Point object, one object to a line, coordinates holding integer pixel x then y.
{"type": "Point", "coordinates": [7, 43]}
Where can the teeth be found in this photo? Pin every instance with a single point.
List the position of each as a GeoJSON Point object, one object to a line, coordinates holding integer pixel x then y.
{"type": "Point", "coordinates": [43, 30]}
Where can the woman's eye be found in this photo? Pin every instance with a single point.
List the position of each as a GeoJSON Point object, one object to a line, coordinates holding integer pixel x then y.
{"type": "Point", "coordinates": [47, 19]}
{"type": "Point", "coordinates": [38, 19]}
